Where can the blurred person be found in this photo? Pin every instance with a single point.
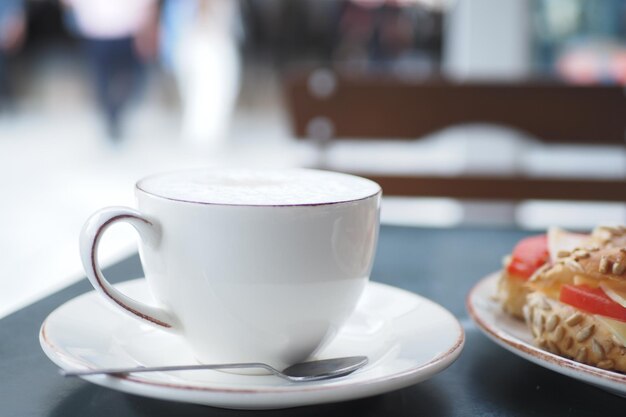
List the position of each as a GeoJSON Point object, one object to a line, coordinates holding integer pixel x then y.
{"type": "Point", "coordinates": [199, 49]}
{"type": "Point", "coordinates": [12, 34]}
{"type": "Point", "coordinates": [356, 28]}
{"type": "Point", "coordinates": [396, 36]}
{"type": "Point", "coordinates": [117, 41]}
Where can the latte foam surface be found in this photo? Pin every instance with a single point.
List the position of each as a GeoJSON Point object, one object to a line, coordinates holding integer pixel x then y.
{"type": "Point", "coordinates": [259, 187]}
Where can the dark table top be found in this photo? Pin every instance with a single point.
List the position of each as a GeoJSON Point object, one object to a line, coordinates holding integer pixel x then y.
{"type": "Point", "coordinates": [441, 264]}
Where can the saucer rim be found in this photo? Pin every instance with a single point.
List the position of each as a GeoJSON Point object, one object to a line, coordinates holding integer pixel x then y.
{"type": "Point", "coordinates": [504, 338]}
{"type": "Point", "coordinates": [421, 372]}
{"type": "Point", "coordinates": [278, 397]}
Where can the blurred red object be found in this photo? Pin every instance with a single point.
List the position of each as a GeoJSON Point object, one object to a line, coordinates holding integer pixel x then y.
{"type": "Point", "coordinates": [593, 63]}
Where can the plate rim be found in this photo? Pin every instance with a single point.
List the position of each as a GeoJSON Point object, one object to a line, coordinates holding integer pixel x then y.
{"type": "Point", "coordinates": [398, 380]}
{"type": "Point", "coordinates": [565, 366]}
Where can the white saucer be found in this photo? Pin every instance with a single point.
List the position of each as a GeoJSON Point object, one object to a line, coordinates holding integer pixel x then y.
{"type": "Point", "coordinates": [514, 336]}
{"type": "Point", "coordinates": [407, 338]}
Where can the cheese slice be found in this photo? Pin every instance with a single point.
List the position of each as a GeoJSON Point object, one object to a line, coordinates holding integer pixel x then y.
{"type": "Point", "coordinates": [615, 291]}
{"type": "Point", "coordinates": [618, 328]}
{"type": "Point", "coordinates": [589, 282]}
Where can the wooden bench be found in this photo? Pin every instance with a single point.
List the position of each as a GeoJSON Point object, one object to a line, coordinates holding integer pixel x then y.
{"type": "Point", "coordinates": [327, 106]}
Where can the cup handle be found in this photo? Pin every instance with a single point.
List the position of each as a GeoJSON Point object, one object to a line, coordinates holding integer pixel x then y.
{"type": "Point", "coordinates": [90, 236]}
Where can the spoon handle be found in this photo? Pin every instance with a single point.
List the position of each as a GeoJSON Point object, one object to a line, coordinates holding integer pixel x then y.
{"type": "Point", "coordinates": [138, 369]}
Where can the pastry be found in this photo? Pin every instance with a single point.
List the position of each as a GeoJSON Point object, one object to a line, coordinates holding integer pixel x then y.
{"type": "Point", "coordinates": [528, 255]}
{"type": "Point", "coordinates": [576, 306]}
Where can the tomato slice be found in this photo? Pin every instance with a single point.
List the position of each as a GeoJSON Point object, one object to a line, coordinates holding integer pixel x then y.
{"type": "Point", "coordinates": [528, 255]}
{"type": "Point", "coordinates": [592, 300]}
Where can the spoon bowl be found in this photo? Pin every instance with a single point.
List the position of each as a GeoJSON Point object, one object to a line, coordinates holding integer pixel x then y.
{"type": "Point", "coordinates": [300, 372]}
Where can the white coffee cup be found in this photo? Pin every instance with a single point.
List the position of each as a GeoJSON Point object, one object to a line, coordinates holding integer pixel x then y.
{"type": "Point", "coordinates": [247, 265]}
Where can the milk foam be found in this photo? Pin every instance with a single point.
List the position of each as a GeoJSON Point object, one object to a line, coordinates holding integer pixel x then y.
{"type": "Point", "coordinates": [259, 187]}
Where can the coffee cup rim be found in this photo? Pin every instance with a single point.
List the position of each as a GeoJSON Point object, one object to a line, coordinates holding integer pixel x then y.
{"type": "Point", "coordinates": [138, 188]}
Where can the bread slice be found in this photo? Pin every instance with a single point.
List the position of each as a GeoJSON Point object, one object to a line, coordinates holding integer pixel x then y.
{"type": "Point", "coordinates": [512, 294]}
{"type": "Point", "coordinates": [572, 333]}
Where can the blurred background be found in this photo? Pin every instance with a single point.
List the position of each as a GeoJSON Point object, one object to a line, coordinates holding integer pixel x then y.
{"type": "Point", "coordinates": [470, 113]}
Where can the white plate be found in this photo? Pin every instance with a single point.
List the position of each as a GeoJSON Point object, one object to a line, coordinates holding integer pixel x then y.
{"type": "Point", "coordinates": [407, 338]}
{"type": "Point", "coordinates": [513, 335]}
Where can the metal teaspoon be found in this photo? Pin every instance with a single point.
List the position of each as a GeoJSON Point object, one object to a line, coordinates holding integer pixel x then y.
{"type": "Point", "coordinates": [300, 372]}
